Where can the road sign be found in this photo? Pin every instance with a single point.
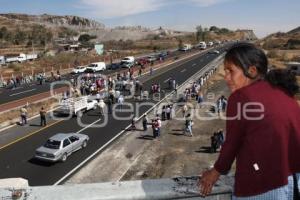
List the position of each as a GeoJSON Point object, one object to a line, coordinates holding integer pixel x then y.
{"type": "Point", "coordinates": [99, 48]}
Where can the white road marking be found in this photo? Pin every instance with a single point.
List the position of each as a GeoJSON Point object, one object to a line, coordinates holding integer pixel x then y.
{"type": "Point", "coordinates": [22, 92]}
{"type": "Point", "coordinates": [167, 80]}
{"type": "Point", "coordinates": [194, 64]}
{"type": "Point", "coordinates": [183, 70]}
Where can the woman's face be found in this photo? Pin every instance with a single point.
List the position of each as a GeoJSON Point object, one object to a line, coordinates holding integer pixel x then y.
{"type": "Point", "coordinates": [234, 76]}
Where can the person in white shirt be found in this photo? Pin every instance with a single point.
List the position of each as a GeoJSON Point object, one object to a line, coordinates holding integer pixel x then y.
{"type": "Point", "coordinates": [101, 106]}
{"type": "Point", "coordinates": [121, 101]}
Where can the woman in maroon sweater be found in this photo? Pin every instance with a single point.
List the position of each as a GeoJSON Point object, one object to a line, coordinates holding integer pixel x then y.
{"type": "Point", "coordinates": [262, 129]}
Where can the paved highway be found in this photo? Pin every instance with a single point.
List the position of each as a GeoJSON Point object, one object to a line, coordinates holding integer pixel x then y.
{"type": "Point", "coordinates": [23, 91]}
{"type": "Point", "coordinates": [17, 158]}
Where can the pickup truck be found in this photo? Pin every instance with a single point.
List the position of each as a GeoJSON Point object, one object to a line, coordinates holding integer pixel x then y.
{"type": "Point", "coordinates": [75, 105]}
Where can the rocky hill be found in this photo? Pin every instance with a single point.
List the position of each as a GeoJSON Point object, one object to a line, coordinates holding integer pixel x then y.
{"type": "Point", "coordinates": [294, 31]}
{"type": "Point", "coordinates": [280, 40]}
{"type": "Point", "coordinates": [42, 30]}
{"type": "Point", "coordinates": [53, 20]}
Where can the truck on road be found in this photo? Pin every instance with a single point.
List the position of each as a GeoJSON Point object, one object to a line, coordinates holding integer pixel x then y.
{"type": "Point", "coordinates": [27, 57]}
{"type": "Point", "coordinates": [73, 106]}
{"type": "Point", "coordinates": [21, 58]}
{"type": "Point", "coordinates": [186, 47]}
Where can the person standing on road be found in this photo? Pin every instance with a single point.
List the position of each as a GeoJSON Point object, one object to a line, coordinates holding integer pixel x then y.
{"type": "Point", "coordinates": [101, 106]}
{"type": "Point", "coordinates": [23, 115]}
{"type": "Point", "coordinates": [263, 137]}
{"type": "Point", "coordinates": [184, 110]}
{"type": "Point", "coordinates": [43, 116]}
{"type": "Point", "coordinates": [121, 101]}
{"type": "Point", "coordinates": [151, 71]}
{"type": "Point", "coordinates": [145, 122]}
{"type": "Point", "coordinates": [168, 112]}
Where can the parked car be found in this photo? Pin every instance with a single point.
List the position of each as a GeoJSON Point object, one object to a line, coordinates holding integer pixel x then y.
{"type": "Point", "coordinates": [95, 67]}
{"type": "Point", "coordinates": [128, 62]}
{"type": "Point", "coordinates": [214, 52]}
{"type": "Point", "coordinates": [163, 54]}
{"type": "Point", "coordinates": [151, 58]}
{"type": "Point", "coordinates": [78, 69]}
{"type": "Point", "coordinates": [185, 47]}
{"type": "Point", "coordinates": [114, 66]}
{"type": "Point", "coordinates": [60, 146]}
{"type": "Point", "coordinates": [141, 61]}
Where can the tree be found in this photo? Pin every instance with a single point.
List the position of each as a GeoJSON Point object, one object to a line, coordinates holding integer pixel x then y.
{"type": "Point", "coordinates": [199, 33]}
{"type": "Point", "coordinates": [20, 37]}
{"type": "Point", "coordinates": [214, 29]}
{"type": "Point", "coordinates": [180, 43]}
{"type": "Point", "coordinates": [3, 32]}
{"type": "Point", "coordinates": [84, 38]}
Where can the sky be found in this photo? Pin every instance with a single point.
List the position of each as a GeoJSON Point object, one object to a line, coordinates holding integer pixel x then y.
{"type": "Point", "coordinates": [262, 16]}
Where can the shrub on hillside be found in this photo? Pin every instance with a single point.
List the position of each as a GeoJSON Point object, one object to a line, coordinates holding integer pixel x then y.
{"type": "Point", "coordinates": [272, 54]}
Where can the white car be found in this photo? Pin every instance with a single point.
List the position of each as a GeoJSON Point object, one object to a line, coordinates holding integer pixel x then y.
{"type": "Point", "coordinates": [78, 69]}
{"type": "Point", "coordinates": [128, 62]}
{"type": "Point", "coordinates": [96, 67]}
{"type": "Point", "coordinates": [214, 52]}
{"type": "Point", "coordinates": [60, 146]}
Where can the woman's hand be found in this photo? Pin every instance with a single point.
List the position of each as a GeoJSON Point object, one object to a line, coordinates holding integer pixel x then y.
{"type": "Point", "coordinates": [207, 181]}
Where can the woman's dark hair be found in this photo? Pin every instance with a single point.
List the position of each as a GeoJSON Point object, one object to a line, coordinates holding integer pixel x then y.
{"type": "Point", "coordinates": [284, 79]}
{"type": "Point", "coordinates": [244, 55]}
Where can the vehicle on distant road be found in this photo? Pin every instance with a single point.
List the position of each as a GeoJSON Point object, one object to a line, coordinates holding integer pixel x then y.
{"type": "Point", "coordinates": [96, 67]}
{"type": "Point", "coordinates": [128, 62]}
{"type": "Point", "coordinates": [202, 45]}
{"type": "Point", "coordinates": [186, 47]}
{"type": "Point", "coordinates": [78, 69]}
{"type": "Point", "coordinates": [73, 106]}
{"type": "Point", "coordinates": [163, 54]}
{"type": "Point", "coordinates": [60, 146]}
{"type": "Point", "coordinates": [214, 52]}
{"type": "Point", "coordinates": [151, 58]}
{"type": "Point", "coordinates": [25, 57]}
{"type": "Point", "coordinates": [114, 66]}
{"type": "Point", "coordinates": [141, 61]}
{"type": "Point", "coordinates": [210, 44]}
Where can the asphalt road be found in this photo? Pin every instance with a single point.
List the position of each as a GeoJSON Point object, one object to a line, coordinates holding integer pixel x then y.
{"type": "Point", "coordinates": [17, 159]}
{"type": "Point", "coordinates": [23, 91]}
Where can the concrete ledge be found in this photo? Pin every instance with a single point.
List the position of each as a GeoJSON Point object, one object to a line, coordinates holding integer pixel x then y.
{"type": "Point", "coordinates": [13, 183]}
{"type": "Point", "coordinates": [176, 188]}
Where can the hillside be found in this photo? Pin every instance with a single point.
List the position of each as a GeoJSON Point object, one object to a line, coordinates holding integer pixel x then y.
{"type": "Point", "coordinates": [54, 21]}
{"type": "Point", "coordinates": [284, 41]}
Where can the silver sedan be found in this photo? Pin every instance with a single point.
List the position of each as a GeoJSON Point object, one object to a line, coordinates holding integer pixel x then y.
{"type": "Point", "coordinates": [60, 146]}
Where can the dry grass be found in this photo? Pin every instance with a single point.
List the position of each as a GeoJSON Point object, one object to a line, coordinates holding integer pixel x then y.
{"type": "Point", "coordinates": [33, 109]}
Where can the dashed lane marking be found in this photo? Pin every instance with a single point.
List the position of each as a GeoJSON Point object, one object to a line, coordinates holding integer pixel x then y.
{"type": "Point", "coordinates": [30, 134]}
{"type": "Point", "coordinates": [22, 92]}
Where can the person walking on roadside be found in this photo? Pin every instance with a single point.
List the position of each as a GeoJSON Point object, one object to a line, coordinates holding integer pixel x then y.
{"type": "Point", "coordinates": [121, 101]}
{"type": "Point", "coordinates": [151, 71]}
{"type": "Point", "coordinates": [158, 126]}
{"type": "Point", "coordinates": [262, 129]}
{"type": "Point", "coordinates": [168, 112]}
{"type": "Point", "coordinates": [101, 106]}
{"type": "Point", "coordinates": [109, 105]}
{"type": "Point", "coordinates": [23, 115]}
{"type": "Point", "coordinates": [145, 122]}
{"type": "Point", "coordinates": [184, 110]}
{"type": "Point", "coordinates": [43, 117]}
